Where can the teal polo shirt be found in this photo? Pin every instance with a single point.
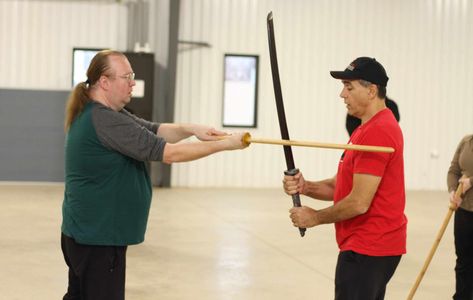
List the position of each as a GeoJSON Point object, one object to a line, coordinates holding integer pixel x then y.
{"type": "Point", "coordinates": [107, 187]}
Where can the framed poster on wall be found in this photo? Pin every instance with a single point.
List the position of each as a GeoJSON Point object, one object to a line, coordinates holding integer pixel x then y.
{"type": "Point", "coordinates": [240, 90]}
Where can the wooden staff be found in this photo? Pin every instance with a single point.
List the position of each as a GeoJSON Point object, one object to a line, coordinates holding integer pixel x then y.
{"type": "Point", "coordinates": [248, 140]}
{"type": "Point", "coordinates": [451, 209]}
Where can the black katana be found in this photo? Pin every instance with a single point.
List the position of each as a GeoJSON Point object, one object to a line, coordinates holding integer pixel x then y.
{"type": "Point", "coordinates": [291, 169]}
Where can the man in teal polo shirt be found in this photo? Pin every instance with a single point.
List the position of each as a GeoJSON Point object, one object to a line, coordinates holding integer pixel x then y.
{"type": "Point", "coordinates": [108, 190]}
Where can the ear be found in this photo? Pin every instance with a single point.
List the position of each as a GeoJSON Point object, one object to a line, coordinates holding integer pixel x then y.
{"type": "Point", "coordinates": [104, 82]}
{"type": "Point", "coordinates": [373, 90]}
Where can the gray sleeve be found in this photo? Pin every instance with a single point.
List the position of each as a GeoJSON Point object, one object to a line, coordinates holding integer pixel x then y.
{"type": "Point", "coordinates": [121, 132]}
{"type": "Point", "coordinates": [455, 172]}
{"type": "Point", "coordinates": [153, 127]}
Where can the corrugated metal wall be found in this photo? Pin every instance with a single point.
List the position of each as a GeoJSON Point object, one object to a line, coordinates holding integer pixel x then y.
{"type": "Point", "coordinates": [37, 37]}
{"type": "Point", "coordinates": [424, 45]}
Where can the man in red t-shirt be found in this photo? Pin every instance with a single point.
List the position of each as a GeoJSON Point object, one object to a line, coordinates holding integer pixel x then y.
{"type": "Point", "coordinates": [368, 190]}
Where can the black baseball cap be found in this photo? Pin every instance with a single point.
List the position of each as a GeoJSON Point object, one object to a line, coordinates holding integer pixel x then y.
{"type": "Point", "coordinates": [365, 68]}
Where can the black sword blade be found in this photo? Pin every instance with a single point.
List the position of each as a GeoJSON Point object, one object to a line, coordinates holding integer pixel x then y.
{"type": "Point", "coordinates": [291, 169]}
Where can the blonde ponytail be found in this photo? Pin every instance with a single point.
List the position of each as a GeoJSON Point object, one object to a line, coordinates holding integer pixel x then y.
{"type": "Point", "coordinates": [75, 103]}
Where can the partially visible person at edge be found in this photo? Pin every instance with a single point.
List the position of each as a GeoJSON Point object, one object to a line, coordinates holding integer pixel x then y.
{"type": "Point", "coordinates": [107, 187]}
{"type": "Point", "coordinates": [461, 171]}
{"type": "Point", "coordinates": [368, 190]}
{"type": "Point", "coordinates": [351, 122]}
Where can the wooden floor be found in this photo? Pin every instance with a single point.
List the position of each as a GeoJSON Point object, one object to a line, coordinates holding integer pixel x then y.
{"type": "Point", "coordinates": [213, 244]}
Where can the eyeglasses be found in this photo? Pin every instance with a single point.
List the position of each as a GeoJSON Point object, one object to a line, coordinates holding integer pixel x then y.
{"type": "Point", "coordinates": [129, 77]}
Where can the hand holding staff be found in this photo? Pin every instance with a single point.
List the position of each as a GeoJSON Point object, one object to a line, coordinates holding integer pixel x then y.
{"type": "Point", "coordinates": [451, 209]}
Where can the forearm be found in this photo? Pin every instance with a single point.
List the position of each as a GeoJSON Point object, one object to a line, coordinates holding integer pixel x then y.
{"type": "Point", "coordinates": [345, 209]}
{"type": "Point", "coordinates": [354, 204]}
{"type": "Point", "coordinates": [174, 133]}
{"type": "Point", "coordinates": [322, 190]}
{"type": "Point", "coordinates": [191, 151]}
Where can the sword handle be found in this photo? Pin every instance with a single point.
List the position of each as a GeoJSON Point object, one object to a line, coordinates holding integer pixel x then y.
{"type": "Point", "coordinates": [296, 200]}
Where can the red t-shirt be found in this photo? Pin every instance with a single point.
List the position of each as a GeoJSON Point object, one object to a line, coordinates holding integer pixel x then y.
{"type": "Point", "coordinates": [381, 231]}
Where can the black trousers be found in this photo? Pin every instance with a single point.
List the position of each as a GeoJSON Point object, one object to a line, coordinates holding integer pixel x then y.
{"type": "Point", "coordinates": [463, 231]}
{"type": "Point", "coordinates": [95, 272]}
{"type": "Point", "coordinates": [363, 277]}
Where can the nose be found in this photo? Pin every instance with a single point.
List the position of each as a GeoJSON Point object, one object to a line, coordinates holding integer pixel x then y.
{"type": "Point", "coordinates": [343, 94]}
